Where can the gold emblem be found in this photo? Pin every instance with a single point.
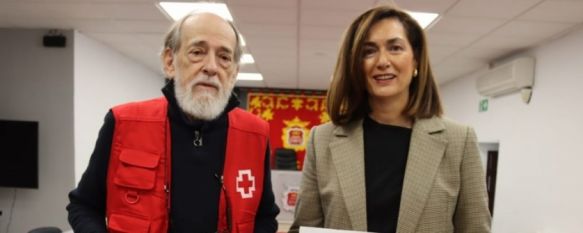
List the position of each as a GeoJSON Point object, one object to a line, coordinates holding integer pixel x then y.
{"type": "Point", "coordinates": [295, 134]}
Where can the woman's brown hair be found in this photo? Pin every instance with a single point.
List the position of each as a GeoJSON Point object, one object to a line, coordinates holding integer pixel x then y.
{"type": "Point", "coordinates": [347, 98]}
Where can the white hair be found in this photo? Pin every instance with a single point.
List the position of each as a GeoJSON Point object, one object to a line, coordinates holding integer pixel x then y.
{"type": "Point", "coordinates": [204, 105]}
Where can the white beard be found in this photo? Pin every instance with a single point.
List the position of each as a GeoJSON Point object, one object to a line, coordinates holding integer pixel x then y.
{"type": "Point", "coordinates": [203, 105]}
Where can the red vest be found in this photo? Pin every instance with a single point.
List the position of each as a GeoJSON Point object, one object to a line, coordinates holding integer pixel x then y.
{"type": "Point", "coordinates": [138, 179]}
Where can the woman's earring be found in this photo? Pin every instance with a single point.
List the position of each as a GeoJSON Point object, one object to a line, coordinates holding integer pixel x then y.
{"type": "Point", "coordinates": [415, 73]}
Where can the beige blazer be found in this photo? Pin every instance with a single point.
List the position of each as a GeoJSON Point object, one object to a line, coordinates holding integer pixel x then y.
{"type": "Point", "coordinates": [443, 189]}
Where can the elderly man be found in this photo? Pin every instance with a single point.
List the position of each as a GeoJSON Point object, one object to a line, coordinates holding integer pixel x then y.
{"type": "Point", "coordinates": [187, 162]}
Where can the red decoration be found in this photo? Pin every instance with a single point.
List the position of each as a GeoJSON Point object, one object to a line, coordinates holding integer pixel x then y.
{"type": "Point", "coordinates": [290, 116]}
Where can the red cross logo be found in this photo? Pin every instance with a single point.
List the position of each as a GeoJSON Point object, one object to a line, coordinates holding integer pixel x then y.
{"type": "Point", "coordinates": [245, 183]}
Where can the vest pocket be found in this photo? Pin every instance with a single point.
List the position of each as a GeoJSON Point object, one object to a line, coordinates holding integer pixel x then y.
{"type": "Point", "coordinates": [137, 169]}
{"type": "Point", "coordinates": [117, 223]}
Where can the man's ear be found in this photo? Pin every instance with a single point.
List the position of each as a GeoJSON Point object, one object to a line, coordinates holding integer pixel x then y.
{"type": "Point", "coordinates": [168, 63]}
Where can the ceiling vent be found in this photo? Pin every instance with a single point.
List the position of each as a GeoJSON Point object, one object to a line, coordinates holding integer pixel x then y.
{"type": "Point", "coordinates": [507, 78]}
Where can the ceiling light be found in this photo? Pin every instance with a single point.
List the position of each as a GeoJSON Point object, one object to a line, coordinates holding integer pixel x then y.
{"type": "Point", "coordinates": [247, 59]}
{"type": "Point", "coordinates": [177, 10]}
{"type": "Point", "coordinates": [242, 40]}
{"type": "Point", "coordinates": [250, 76]}
{"type": "Point", "coordinates": [424, 19]}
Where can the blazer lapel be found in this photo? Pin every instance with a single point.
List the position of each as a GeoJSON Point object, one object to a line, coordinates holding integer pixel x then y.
{"type": "Point", "coordinates": [347, 152]}
{"type": "Point", "coordinates": [426, 150]}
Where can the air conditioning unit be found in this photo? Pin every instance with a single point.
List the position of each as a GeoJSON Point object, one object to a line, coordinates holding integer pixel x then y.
{"type": "Point", "coordinates": [507, 78]}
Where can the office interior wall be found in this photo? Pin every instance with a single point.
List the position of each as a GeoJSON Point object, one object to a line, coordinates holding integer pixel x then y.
{"type": "Point", "coordinates": [68, 90]}
{"type": "Point", "coordinates": [539, 185]}
{"type": "Point", "coordinates": [36, 84]}
{"type": "Point", "coordinates": [104, 78]}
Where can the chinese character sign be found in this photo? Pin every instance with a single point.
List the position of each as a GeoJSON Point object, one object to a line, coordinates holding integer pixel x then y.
{"type": "Point", "coordinates": [290, 117]}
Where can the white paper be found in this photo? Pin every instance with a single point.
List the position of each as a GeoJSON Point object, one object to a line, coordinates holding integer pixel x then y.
{"type": "Point", "coordinates": [323, 230]}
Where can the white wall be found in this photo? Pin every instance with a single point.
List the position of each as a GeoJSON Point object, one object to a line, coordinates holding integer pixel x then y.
{"type": "Point", "coordinates": [36, 84]}
{"type": "Point", "coordinates": [540, 179]}
{"type": "Point", "coordinates": [69, 91]}
{"type": "Point", "coordinates": [104, 78]}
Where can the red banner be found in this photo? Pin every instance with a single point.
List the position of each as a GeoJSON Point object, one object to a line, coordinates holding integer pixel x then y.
{"type": "Point", "coordinates": [290, 117]}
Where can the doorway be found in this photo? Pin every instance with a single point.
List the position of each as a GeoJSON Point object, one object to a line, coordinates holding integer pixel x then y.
{"type": "Point", "coordinates": [491, 171]}
{"type": "Point", "coordinates": [489, 155]}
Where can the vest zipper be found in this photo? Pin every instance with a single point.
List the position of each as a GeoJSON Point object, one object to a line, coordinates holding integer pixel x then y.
{"type": "Point", "coordinates": [228, 207]}
{"type": "Point", "coordinates": [229, 217]}
{"type": "Point", "coordinates": [168, 174]}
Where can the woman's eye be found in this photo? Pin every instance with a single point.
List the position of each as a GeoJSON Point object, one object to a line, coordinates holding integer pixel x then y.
{"type": "Point", "coordinates": [368, 51]}
{"type": "Point", "coordinates": [396, 48]}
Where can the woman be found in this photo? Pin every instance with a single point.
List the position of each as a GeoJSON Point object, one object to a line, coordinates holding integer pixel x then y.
{"type": "Point", "coordinates": [388, 162]}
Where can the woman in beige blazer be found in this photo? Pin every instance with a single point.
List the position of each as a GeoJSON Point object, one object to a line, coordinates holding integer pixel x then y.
{"type": "Point", "coordinates": [389, 162]}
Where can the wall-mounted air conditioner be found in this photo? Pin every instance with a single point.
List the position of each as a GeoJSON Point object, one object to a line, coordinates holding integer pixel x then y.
{"type": "Point", "coordinates": [508, 77]}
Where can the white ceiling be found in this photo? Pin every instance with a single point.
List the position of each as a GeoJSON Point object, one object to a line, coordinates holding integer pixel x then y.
{"type": "Point", "coordinates": [295, 42]}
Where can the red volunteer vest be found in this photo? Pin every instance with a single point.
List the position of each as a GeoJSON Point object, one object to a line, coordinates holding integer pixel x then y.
{"type": "Point", "coordinates": [138, 179]}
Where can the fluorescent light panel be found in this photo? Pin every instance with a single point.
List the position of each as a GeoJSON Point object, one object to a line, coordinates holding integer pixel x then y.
{"type": "Point", "coordinates": [423, 18]}
{"type": "Point", "coordinates": [247, 59]}
{"type": "Point", "coordinates": [250, 76]}
{"type": "Point", "coordinates": [177, 10]}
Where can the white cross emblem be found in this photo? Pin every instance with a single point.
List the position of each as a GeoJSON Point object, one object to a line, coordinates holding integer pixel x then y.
{"type": "Point", "coordinates": [245, 183]}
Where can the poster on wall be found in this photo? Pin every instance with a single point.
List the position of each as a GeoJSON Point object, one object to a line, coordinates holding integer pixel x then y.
{"type": "Point", "coordinates": [286, 185]}
{"type": "Point", "coordinates": [290, 117]}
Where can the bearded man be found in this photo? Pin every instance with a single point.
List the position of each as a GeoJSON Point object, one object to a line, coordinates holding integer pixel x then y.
{"type": "Point", "coordinates": [190, 161]}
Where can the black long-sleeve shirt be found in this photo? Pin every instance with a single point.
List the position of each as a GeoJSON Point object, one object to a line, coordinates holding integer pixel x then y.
{"type": "Point", "coordinates": [195, 189]}
{"type": "Point", "coordinates": [385, 158]}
